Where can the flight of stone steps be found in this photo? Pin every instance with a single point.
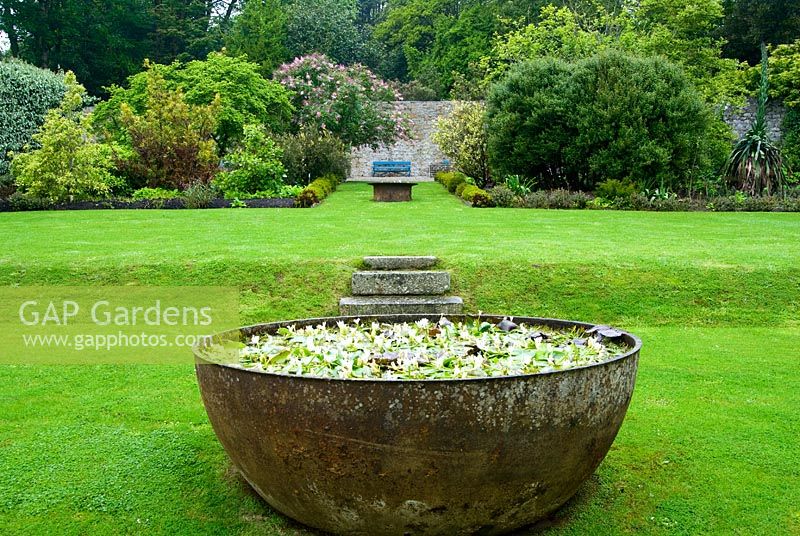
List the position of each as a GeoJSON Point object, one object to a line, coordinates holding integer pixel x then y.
{"type": "Point", "coordinates": [400, 285]}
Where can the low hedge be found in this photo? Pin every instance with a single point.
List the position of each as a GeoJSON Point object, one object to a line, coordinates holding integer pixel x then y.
{"type": "Point", "coordinates": [562, 199]}
{"type": "Point", "coordinates": [30, 204]}
{"type": "Point", "coordinates": [459, 184]}
{"type": "Point", "coordinates": [478, 197]}
{"type": "Point", "coordinates": [451, 180]}
{"type": "Point", "coordinates": [318, 190]}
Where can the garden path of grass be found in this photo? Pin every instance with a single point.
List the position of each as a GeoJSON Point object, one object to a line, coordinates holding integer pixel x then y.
{"type": "Point", "coordinates": [710, 444]}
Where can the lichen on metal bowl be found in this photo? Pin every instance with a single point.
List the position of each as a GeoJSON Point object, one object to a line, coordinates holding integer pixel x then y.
{"type": "Point", "coordinates": [469, 425]}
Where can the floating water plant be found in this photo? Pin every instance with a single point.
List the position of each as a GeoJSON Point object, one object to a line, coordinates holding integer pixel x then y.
{"type": "Point", "coordinates": [428, 350]}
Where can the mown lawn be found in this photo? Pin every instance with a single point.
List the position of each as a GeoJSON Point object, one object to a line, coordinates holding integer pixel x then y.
{"type": "Point", "coordinates": [710, 444]}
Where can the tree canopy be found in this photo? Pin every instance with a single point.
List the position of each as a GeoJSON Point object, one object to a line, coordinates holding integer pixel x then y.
{"type": "Point", "coordinates": [433, 44]}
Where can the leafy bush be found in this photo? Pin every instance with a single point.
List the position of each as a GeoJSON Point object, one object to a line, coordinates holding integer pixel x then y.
{"type": "Point", "coordinates": [245, 97]}
{"type": "Point", "coordinates": [154, 193]}
{"type": "Point", "coordinates": [20, 202]}
{"type": "Point", "coordinates": [459, 192]}
{"type": "Point", "coordinates": [349, 102]}
{"type": "Point", "coordinates": [318, 190]}
{"type": "Point", "coordinates": [615, 189]}
{"type": "Point", "coordinates": [518, 184]}
{"type": "Point", "coordinates": [7, 185]}
{"type": "Point", "coordinates": [310, 154]}
{"type": "Point", "coordinates": [68, 165]}
{"type": "Point", "coordinates": [451, 180]}
{"type": "Point", "coordinates": [574, 125]}
{"type": "Point", "coordinates": [478, 197]}
{"type": "Point", "coordinates": [464, 187]}
{"type": "Point", "coordinates": [199, 195]}
{"type": "Point", "coordinates": [415, 90]}
{"type": "Point", "coordinates": [674, 204]}
{"type": "Point", "coordinates": [791, 144]}
{"type": "Point", "coordinates": [26, 94]}
{"type": "Point", "coordinates": [556, 199]}
{"type": "Point", "coordinates": [172, 140]}
{"type": "Point", "coordinates": [482, 199]}
{"type": "Point", "coordinates": [232, 85]}
{"type": "Point", "coordinates": [528, 117]}
{"type": "Point", "coordinates": [786, 73]}
{"type": "Point", "coordinates": [462, 137]}
{"type": "Point", "coordinates": [503, 196]}
{"type": "Point", "coordinates": [755, 165]}
{"type": "Point", "coordinates": [286, 191]}
{"type": "Point", "coordinates": [256, 165]}
{"type": "Point", "coordinates": [639, 120]}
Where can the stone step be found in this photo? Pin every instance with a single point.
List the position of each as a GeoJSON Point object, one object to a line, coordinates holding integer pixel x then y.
{"type": "Point", "coordinates": [400, 283]}
{"type": "Point", "coordinates": [390, 305]}
{"type": "Point", "coordinates": [400, 263]}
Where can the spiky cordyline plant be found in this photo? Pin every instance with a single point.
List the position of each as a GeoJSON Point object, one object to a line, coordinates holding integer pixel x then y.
{"type": "Point", "coordinates": [755, 165]}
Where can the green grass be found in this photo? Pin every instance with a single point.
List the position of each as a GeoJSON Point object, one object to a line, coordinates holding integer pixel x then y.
{"type": "Point", "coordinates": [709, 446]}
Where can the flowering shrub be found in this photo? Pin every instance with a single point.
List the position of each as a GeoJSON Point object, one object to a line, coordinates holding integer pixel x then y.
{"type": "Point", "coordinates": [349, 102]}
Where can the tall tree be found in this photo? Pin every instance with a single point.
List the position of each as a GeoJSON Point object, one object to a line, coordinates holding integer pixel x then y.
{"type": "Point", "coordinates": [259, 32]}
{"type": "Point", "coordinates": [101, 43]}
{"type": "Point", "coordinates": [181, 30]}
{"type": "Point", "coordinates": [328, 27]}
{"type": "Point", "coordinates": [7, 16]}
{"type": "Point", "coordinates": [104, 41]}
{"type": "Point", "coordinates": [370, 11]}
{"type": "Point", "coordinates": [684, 32]}
{"type": "Point", "coordinates": [748, 23]}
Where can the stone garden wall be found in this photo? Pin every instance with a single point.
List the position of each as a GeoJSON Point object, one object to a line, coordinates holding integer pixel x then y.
{"type": "Point", "coordinates": [422, 152]}
{"type": "Point", "coordinates": [741, 119]}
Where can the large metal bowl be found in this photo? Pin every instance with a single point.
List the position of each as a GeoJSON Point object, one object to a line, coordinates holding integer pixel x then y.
{"type": "Point", "coordinates": [418, 456]}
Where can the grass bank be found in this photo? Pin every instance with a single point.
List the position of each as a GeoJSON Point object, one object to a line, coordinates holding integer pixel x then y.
{"type": "Point", "coordinates": [709, 444]}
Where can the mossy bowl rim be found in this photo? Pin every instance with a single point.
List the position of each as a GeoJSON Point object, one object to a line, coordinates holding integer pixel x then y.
{"type": "Point", "coordinates": [632, 341]}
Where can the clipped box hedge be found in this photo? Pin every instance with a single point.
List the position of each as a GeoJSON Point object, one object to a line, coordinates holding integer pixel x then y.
{"type": "Point", "coordinates": [318, 190]}
{"type": "Point", "coordinates": [459, 184]}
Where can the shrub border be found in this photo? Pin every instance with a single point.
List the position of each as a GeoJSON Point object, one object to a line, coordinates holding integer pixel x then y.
{"type": "Point", "coordinates": [565, 200]}
{"type": "Point", "coordinates": [40, 205]}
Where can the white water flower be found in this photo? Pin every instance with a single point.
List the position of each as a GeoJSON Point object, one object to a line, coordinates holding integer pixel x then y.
{"type": "Point", "coordinates": [424, 349]}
